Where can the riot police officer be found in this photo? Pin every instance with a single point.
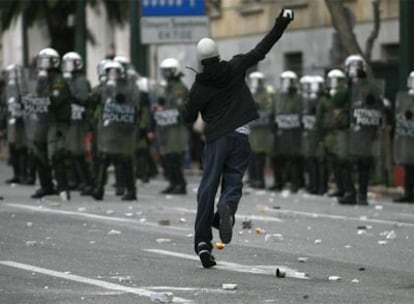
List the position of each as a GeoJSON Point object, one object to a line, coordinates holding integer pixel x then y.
{"type": "Point", "coordinates": [117, 129]}
{"type": "Point", "coordinates": [72, 65]}
{"type": "Point", "coordinates": [49, 118]}
{"type": "Point", "coordinates": [287, 154]}
{"type": "Point", "coordinates": [365, 122]}
{"type": "Point", "coordinates": [260, 135]}
{"type": "Point", "coordinates": [170, 131]}
{"type": "Point", "coordinates": [404, 139]}
{"type": "Point", "coordinates": [14, 122]}
{"type": "Point", "coordinates": [333, 127]}
{"type": "Point", "coordinates": [312, 93]}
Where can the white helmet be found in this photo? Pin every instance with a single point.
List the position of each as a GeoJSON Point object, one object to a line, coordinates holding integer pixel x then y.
{"type": "Point", "coordinates": [170, 67]}
{"type": "Point", "coordinates": [207, 48]}
{"type": "Point", "coordinates": [316, 85]}
{"type": "Point", "coordinates": [113, 70]}
{"type": "Point", "coordinates": [410, 83]}
{"type": "Point", "coordinates": [124, 61]}
{"type": "Point", "coordinates": [289, 80]}
{"type": "Point", "coordinates": [14, 72]}
{"type": "Point", "coordinates": [48, 58]}
{"type": "Point", "coordinates": [71, 62]}
{"type": "Point", "coordinates": [256, 81]}
{"type": "Point", "coordinates": [305, 83]}
{"type": "Point", "coordinates": [353, 64]}
{"type": "Point", "coordinates": [335, 76]}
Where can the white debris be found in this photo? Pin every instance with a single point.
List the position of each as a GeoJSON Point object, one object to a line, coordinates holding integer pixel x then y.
{"type": "Point", "coordinates": [162, 297]}
{"type": "Point", "coordinates": [110, 212]}
{"type": "Point", "coordinates": [190, 235]}
{"type": "Point", "coordinates": [114, 232]}
{"type": "Point", "coordinates": [55, 204]}
{"type": "Point", "coordinates": [318, 241]}
{"type": "Point", "coordinates": [229, 286]}
{"type": "Point", "coordinates": [168, 197]}
{"type": "Point", "coordinates": [361, 231]}
{"type": "Point", "coordinates": [285, 193]}
{"type": "Point", "coordinates": [142, 220]}
{"type": "Point", "coordinates": [382, 242]}
{"type": "Point", "coordinates": [29, 224]}
{"type": "Point", "coordinates": [363, 218]}
{"type": "Point", "coordinates": [32, 243]}
{"type": "Point", "coordinates": [334, 278]}
{"type": "Point", "coordinates": [379, 207]}
{"type": "Point", "coordinates": [348, 246]}
{"type": "Point", "coordinates": [274, 237]}
{"type": "Point", "coordinates": [302, 259]}
{"type": "Point", "coordinates": [13, 215]}
{"type": "Point", "coordinates": [260, 192]}
{"type": "Point", "coordinates": [92, 242]}
{"type": "Point", "coordinates": [81, 209]}
{"type": "Point", "coordinates": [182, 220]}
{"type": "Point", "coordinates": [160, 241]}
{"type": "Point", "coordinates": [391, 235]}
{"type": "Point", "coordinates": [46, 287]}
{"type": "Point", "coordinates": [129, 214]}
{"type": "Point", "coordinates": [355, 281]}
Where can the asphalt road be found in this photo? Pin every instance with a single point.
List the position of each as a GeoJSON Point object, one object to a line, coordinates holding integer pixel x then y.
{"type": "Point", "coordinates": [84, 251]}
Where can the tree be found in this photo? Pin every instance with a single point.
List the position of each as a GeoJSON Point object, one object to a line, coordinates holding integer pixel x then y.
{"type": "Point", "coordinates": [59, 17]}
{"type": "Point", "coordinates": [342, 23]}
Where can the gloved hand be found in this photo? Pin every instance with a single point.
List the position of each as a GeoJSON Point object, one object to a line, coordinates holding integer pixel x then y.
{"type": "Point", "coordinates": [285, 16]}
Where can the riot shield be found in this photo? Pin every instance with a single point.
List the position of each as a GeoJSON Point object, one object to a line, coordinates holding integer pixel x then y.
{"type": "Point", "coordinates": [36, 117]}
{"type": "Point", "coordinates": [118, 123]}
{"type": "Point", "coordinates": [403, 145]}
{"type": "Point", "coordinates": [309, 133]}
{"type": "Point", "coordinates": [366, 118]}
{"type": "Point", "coordinates": [15, 125]}
{"type": "Point", "coordinates": [75, 137]}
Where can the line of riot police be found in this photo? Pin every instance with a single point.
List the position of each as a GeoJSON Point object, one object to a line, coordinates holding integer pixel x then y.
{"type": "Point", "coordinates": [54, 119]}
{"type": "Point", "coordinates": [313, 128]}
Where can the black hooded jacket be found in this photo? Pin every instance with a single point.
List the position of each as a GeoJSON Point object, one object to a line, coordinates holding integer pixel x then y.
{"type": "Point", "coordinates": [220, 92]}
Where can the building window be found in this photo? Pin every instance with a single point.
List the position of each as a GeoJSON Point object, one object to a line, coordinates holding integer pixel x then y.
{"type": "Point", "coordinates": [214, 8]}
{"type": "Point", "coordinates": [294, 62]}
{"type": "Point", "coordinates": [390, 51]}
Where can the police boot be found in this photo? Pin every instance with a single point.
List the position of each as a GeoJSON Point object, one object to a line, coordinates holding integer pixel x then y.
{"type": "Point", "coordinates": [119, 180]}
{"type": "Point", "coordinates": [14, 162]}
{"type": "Point", "coordinates": [349, 198]}
{"type": "Point", "coordinates": [363, 180]}
{"type": "Point", "coordinates": [45, 178]}
{"type": "Point", "coordinates": [59, 168]}
{"type": "Point", "coordinates": [129, 180]}
{"type": "Point", "coordinates": [31, 170]}
{"type": "Point", "coordinates": [168, 168]}
{"type": "Point", "coordinates": [98, 192]}
{"type": "Point", "coordinates": [177, 175]}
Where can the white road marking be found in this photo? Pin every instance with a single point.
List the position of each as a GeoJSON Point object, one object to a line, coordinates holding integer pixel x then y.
{"type": "Point", "coordinates": [93, 216]}
{"type": "Point", "coordinates": [238, 216]}
{"type": "Point", "coordinates": [79, 279]}
{"type": "Point", "coordinates": [339, 217]}
{"type": "Point", "coordinates": [256, 269]}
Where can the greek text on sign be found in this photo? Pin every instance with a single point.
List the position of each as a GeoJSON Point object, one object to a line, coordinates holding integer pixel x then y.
{"type": "Point", "coordinates": [404, 128]}
{"type": "Point", "coordinates": [36, 104]}
{"type": "Point", "coordinates": [118, 113]}
{"type": "Point", "coordinates": [309, 122]}
{"type": "Point", "coordinates": [367, 117]}
{"type": "Point", "coordinates": [173, 29]}
{"type": "Point", "coordinates": [287, 121]}
{"type": "Point", "coordinates": [77, 112]}
{"type": "Point", "coordinates": [167, 117]}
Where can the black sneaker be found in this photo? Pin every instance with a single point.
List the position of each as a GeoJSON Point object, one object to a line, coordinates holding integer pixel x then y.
{"type": "Point", "coordinates": [98, 194]}
{"type": "Point", "coordinates": [13, 180]}
{"type": "Point", "coordinates": [206, 258]}
{"type": "Point", "coordinates": [179, 189]}
{"type": "Point", "coordinates": [226, 223]}
{"type": "Point", "coordinates": [41, 192]}
{"type": "Point", "coordinates": [347, 199]}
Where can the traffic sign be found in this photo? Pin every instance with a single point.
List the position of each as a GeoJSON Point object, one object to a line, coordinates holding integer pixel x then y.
{"type": "Point", "coordinates": [158, 8]}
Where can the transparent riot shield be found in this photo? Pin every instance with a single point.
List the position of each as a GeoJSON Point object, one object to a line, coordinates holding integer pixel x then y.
{"type": "Point", "coordinates": [403, 145]}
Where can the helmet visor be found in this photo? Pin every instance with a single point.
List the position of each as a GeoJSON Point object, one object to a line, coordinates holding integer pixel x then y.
{"type": "Point", "coordinates": [68, 66]}
{"type": "Point", "coordinates": [44, 63]}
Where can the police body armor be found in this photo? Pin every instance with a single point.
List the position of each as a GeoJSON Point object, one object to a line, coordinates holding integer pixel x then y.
{"type": "Point", "coordinates": [260, 135]}
{"type": "Point", "coordinates": [310, 139]}
{"type": "Point", "coordinates": [169, 127]}
{"type": "Point", "coordinates": [287, 119]}
{"type": "Point", "coordinates": [15, 124]}
{"type": "Point", "coordinates": [404, 129]}
{"type": "Point", "coordinates": [117, 126]}
{"type": "Point", "coordinates": [75, 139]}
{"type": "Point", "coordinates": [366, 119]}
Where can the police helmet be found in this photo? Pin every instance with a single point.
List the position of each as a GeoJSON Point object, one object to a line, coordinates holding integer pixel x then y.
{"type": "Point", "coordinates": [48, 58]}
{"type": "Point", "coordinates": [305, 82]}
{"type": "Point", "coordinates": [13, 71]}
{"type": "Point", "coordinates": [256, 81]}
{"type": "Point", "coordinates": [207, 48]}
{"type": "Point", "coordinates": [71, 62]}
{"type": "Point", "coordinates": [113, 70]}
{"type": "Point", "coordinates": [354, 64]}
{"type": "Point", "coordinates": [170, 67]}
{"type": "Point", "coordinates": [410, 83]}
{"type": "Point", "coordinates": [334, 78]}
{"type": "Point", "coordinates": [289, 80]}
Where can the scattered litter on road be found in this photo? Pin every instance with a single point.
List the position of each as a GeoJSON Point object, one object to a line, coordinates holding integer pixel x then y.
{"type": "Point", "coordinates": [334, 278]}
{"type": "Point", "coordinates": [92, 242]}
{"type": "Point", "coordinates": [282, 272]}
{"type": "Point", "coordinates": [285, 193]}
{"type": "Point", "coordinates": [219, 245]}
{"type": "Point", "coordinates": [247, 223]}
{"type": "Point", "coordinates": [164, 222]}
{"type": "Point", "coordinates": [168, 197]}
{"type": "Point", "coordinates": [277, 237]}
{"type": "Point", "coordinates": [182, 220]}
{"type": "Point", "coordinates": [260, 230]}
{"type": "Point", "coordinates": [229, 286]}
{"type": "Point", "coordinates": [46, 287]}
{"type": "Point", "coordinates": [32, 243]}
{"type": "Point", "coordinates": [391, 235]}
{"type": "Point", "coordinates": [303, 259]}
{"type": "Point", "coordinates": [361, 231]}
{"type": "Point", "coordinates": [81, 209]}
{"type": "Point", "coordinates": [261, 208]}
{"type": "Point", "coordinates": [355, 281]}
{"type": "Point", "coordinates": [190, 235]}
{"type": "Point", "coordinates": [362, 227]}
{"type": "Point", "coordinates": [361, 269]}
{"type": "Point", "coordinates": [109, 212]}
{"type": "Point", "coordinates": [142, 220]}
{"type": "Point", "coordinates": [379, 207]}
{"type": "Point", "coordinates": [129, 214]}
{"type": "Point", "coordinates": [55, 204]}
{"type": "Point", "coordinates": [318, 241]}
{"type": "Point", "coordinates": [162, 297]}
{"type": "Point", "coordinates": [382, 242]}
{"type": "Point", "coordinates": [114, 232]}
{"type": "Point", "coordinates": [363, 218]}
{"type": "Point", "coordinates": [29, 224]}
{"type": "Point", "coordinates": [276, 207]}
{"type": "Point", "coordinates": [348, 246]}
{"type": "Point", "coordinates": [161, 241]}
